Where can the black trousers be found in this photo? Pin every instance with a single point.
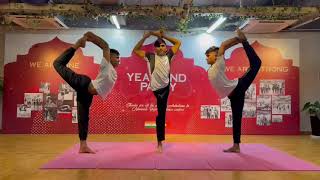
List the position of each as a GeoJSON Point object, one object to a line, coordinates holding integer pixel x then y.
{"type": "Point", "coordinates": [238, 94]}
{"type": "Point", "coordinates": [162, 99]}
{"type": "Point", "coordinates": [80, 84]}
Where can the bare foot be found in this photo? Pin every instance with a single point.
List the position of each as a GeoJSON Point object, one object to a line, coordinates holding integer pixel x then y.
{"type": "Point", "coordinates": [86, 149]}
{"type": "Point", "coordinates": [159, 147]}
{"type": "Point", "coordinates": [241, 35]}
{"type": "Point", "coordinates": [233, 149]}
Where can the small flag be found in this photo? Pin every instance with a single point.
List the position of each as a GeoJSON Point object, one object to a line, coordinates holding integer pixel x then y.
{"type": "Point", "coordinates": [151, 124]}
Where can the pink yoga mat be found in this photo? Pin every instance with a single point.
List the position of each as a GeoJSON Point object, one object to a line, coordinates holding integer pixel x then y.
{"type": "Point", "coordinates": [71, 159]}
{"type": "Point", "coordinates": [128, 156]}
{"type": "Point", "coordinates": [181, 156]}
{"type": "Point", "coordinates": [219, 160]}
{"type": "Point", "coordinates": [280, 161]}
{"type": "Point", "coordinates": [189, 156]}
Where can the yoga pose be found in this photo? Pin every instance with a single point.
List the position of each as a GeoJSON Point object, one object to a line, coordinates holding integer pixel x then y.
{"type": "Point", "coordinates": [84, 86]}
{"type": "Point", "coordinates": [159, 73]}
{"type": "Point", "coordinates": [234, 89]}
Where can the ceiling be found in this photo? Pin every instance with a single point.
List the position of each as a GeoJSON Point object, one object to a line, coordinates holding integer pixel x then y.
{"type": "Point", "coordinates": [195, 21]}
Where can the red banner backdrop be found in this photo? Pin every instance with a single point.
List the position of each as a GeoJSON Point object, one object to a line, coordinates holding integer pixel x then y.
{"type": "Point", "coordinates": [131, 107]}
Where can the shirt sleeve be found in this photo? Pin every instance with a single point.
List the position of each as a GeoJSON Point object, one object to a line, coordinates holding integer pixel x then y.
{"type": "Point", "coordinates": [103, 63]}
{"type": "Point", "coordinates": [220, 61]}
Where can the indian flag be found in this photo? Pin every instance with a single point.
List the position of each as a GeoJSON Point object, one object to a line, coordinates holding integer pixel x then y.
{"type": "Point", "coordinates": [151, 124]}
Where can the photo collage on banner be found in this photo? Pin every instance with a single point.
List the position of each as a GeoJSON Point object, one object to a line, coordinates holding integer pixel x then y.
{"type": "Point", "coordinates": [49, 104]}
{"type": "Point", "coordinates": [263, 118]}
{"type": "Point", "coordinates": [272, 103]}
{"type": "Point", "coordinates": [65, 99]}
{"type": "Point", "coordinates": [249, 108]}
{"type": "Point", "coordinates": [228, 120]}
{"type": "Point", "coordinates": [266, 107]}
{"type": "Point", "coordinates": [23, 111]}
{"type": "Point", "coordinates": [50, 107]}
{"type": "Point", "coordinates": [210, 112]}
{"type": "Point", "coordinates": [34, 101]}
{"type": "Point", "coordinates": [250, 102]}
{"type": "Point", "coordinates": [226, 107]}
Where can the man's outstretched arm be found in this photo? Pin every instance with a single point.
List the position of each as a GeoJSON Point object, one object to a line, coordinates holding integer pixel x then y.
{"type": "Point", "coordinates": [176, 43]}
{"type": "Point", "coordinates": [137, 48]}
{"type": "Point", "coordinates": [227, 44]}
{"type": "Point", "coordinates": [99, 42]}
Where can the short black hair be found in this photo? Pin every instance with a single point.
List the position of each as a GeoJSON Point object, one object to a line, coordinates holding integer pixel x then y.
{"type": "Point", "coordinates": [114, 51]}
{"type": "Point", "coordinates": [212, 49]}
{"type": "Point", "coordinates": [158, 42]}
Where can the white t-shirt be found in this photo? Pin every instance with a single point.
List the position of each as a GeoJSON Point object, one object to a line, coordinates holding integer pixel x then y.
{"type": "Point", "coordinates": [219, 80]}
{"type": "Point", "coordinates": [105, 80]}
{"type": "Point", "coordinates": [160, 75]}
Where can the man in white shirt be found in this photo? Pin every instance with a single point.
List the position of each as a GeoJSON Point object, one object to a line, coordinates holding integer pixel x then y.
{"type": "Point", "coordinates": [84, 86]}
{"type": "Point", "coordinates": [159, 72]}
{"type": "Point", "coordinates": [234, 89]}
